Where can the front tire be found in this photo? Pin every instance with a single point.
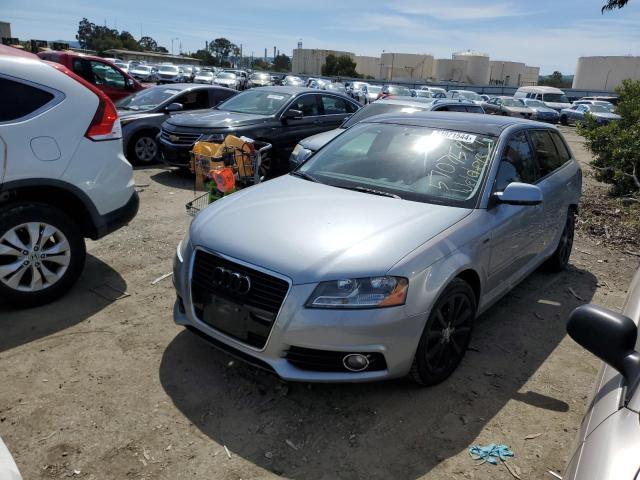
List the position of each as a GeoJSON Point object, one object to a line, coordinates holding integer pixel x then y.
{"type": "Point", "coordinates": [446, 334]}
{"type": "Point", "coordinates": [560, 258]}
{"type": "Point", "coordinates": [143, 149]}
{"type": "Point", "coordinates": [42, 254]}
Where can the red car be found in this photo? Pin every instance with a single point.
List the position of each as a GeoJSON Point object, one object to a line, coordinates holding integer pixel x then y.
{"type": "Point", "coordinates": [115, 83]}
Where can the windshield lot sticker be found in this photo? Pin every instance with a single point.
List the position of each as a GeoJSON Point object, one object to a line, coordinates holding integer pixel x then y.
{"type": "Point", "coordinates": [457, 136]}
{"type": "Point", "coordinates": [458, 170]}
{"type": "Point", "coordinates": [275, 97]}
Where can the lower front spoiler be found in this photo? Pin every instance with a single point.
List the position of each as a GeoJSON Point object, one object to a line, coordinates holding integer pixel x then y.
{"type": "Point", "coordinates": [279, 366]}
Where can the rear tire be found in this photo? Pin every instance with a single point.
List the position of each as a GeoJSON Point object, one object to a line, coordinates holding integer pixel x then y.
{"type": "Point", "coordinates": [42, 254]}
{"type": "Point", "coordinates": [560, 258]}
{"type": "Point", "coordinates": [446, 334]}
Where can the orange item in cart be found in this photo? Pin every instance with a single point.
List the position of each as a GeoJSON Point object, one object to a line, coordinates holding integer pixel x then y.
{"type": "Point", "coordinates": [225, 179]}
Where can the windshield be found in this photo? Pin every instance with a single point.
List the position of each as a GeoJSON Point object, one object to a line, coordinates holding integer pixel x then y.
{"type": "Point", "coordinates": [534, 103]}
{"type": "Point", "coordinates": [416, 163]}
{"type": "Point", "coordinates": [168, 69]}
{"type": "Point", "coordinates": [206, 74]}
{"type": "Point", "coordinates": [147, 99]}
{"type": "Point", "coordinates": [395, 90]}
{"type": "Point", "coordinates": [259, 76]}
{"type": "Point", "coordinates": [512, 102]}
{"type": "Point", "coordinates": [374, 88]}
{"type": "Point", "coordinates": [293, 79]}
{"type": "Point", "coordinates": [258, 101]}
{"type": "Point", "coordinates": [142, 68]}
{"type": "Point", "coordinates": [231, 76]}
{"type": "Point", "coordinates": [423, 93]}
{"type": "Point", "coordinates": [470, 95]}
{"type": "Point", "coordinates": [379, 109]}
{"type": "Point", "coordinates": [555, 97]}
{"type": "Point", "coordinates": [599, 109]}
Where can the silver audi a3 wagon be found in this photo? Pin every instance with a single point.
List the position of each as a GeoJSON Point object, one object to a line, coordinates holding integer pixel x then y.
{"type": "Point", "coordinates": [372, 259]}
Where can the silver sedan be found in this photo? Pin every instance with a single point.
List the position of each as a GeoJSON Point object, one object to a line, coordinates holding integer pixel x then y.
{"type": "Point", "coordinates": [373, 258]}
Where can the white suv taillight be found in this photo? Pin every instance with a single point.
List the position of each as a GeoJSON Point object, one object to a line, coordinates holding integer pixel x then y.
{"type": "Point", "coordinates": [105, 124]}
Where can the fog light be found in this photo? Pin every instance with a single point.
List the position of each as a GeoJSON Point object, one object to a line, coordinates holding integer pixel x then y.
{"type": "Point", "coordinates": [355, 362]}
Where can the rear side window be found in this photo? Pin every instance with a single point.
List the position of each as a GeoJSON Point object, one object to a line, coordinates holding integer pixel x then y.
{"type": "Point", "coordinates": [19, 100]}
{"type": "Point", "coordinates": [474, 109]}
{"type": "Point", "coordinates": [453, 108]}
{"type": "Point", "coordinates": [546, 153]}
{"type": "Point", "coordinates": [194, 100]}
{"type": "Point", "coordinates": [334, 105]}
{"type": "Point", "coordinates": [561, 147]}
{"type": "Point", "coordinates": [517, 163]}
{"type": "Point", "coordinates": [217, 96]}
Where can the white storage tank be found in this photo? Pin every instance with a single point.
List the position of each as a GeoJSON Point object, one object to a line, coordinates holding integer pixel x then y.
{"type": "Point", "coordinates": [605, 73]}
{"type": "Point", "coordinates": [406, 66]}
{"type": "Point", "coordinates": [478, 68]}
{"type": "Point", "coordinates": [509, 74]}
{"type": "Point", "coordinates": [449, 70]}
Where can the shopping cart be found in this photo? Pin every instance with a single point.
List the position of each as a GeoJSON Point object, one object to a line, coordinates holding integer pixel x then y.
{"type": "Point", "coordinates": [247, 158]}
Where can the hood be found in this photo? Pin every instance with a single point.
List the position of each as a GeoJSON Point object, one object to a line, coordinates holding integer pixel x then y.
{"type": "Point", "coordinates": [607, 116]}
{"type": "Point", "coordinates": [216, 119]}
{"type": "Point", "coordinates": [315, 142]}
{"type": "Point", "coordinates": [543, 109]}
{"type": "Point", "coordinates": [557, 106]}
{"type": "Point", "coordinates": [311, 232]}
{"type": "Point", "coordinates": [519, 109]}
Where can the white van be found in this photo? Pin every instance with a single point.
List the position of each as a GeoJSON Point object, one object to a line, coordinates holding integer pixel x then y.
{"type": "Point", "coordinates": [551, 96]}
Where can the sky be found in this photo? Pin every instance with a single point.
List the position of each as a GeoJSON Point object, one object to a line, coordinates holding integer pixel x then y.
{"type": "Point", "coordinates": [551, 34]}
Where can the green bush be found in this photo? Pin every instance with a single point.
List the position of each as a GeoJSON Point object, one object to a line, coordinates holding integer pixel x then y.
{"type": "Point", "coordinates": [616, 146]}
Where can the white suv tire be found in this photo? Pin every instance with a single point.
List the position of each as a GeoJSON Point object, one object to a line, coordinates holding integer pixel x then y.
{"type": "Point", "coordinates": [42, 254]}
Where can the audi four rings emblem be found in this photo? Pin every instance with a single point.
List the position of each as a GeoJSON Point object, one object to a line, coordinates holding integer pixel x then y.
{"type": "Point", "coordinates": [231, 281]}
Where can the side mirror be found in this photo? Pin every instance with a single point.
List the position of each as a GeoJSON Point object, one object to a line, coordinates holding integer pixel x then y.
{"type": "Point", "coordinates": [610, 336]}
{"type": "Point", "coordinates": [173, 107]}
{"type": "Point", "coordinates": [346, 119]}
{"type": "Point", "coordinates": [130, 84]}
{"type": "Point", "coordinates": [292, 114]}
{"type": "Point", "coordinates": [518, 193]}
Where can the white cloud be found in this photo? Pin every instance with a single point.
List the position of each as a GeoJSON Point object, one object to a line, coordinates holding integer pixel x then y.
{"type": "Point", "coordinates": [459, 10]}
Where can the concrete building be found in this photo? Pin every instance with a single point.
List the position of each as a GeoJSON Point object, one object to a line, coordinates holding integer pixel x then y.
{"type": "Point", "coordinates": [5, 30]}
{"type": "Point", "coordinates": [605, 73]}
{"type": "Point", "coordinates": [309, 61]}
{"type": "Point", "coordinates": [477, 67]}
{"type": "Point", "coordinates": [151, 57]}
{"type": "Point", "coordinates": [405, 67]}
{"type": "Point", "coordinates": [368, 66]}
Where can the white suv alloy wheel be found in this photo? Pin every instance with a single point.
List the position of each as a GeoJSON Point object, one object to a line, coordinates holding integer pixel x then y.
{"type": "Point", "coordinates": [38, 256]}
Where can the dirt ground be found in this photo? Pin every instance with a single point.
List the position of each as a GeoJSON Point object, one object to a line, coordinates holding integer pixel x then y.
{"type": "Point", "coordinates": [103, 385]}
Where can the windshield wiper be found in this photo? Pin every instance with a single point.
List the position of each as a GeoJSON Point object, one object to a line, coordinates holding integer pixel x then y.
{"type": "Point", "coordinates": [373, 191]}
{"type": "Point", "coordinates": [306, 176]}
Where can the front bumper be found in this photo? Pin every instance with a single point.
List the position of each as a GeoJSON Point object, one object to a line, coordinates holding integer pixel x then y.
{"type": "Point", "coordinates": [173, 155]}
{"type": "Point", "coordinates": [389, 332]}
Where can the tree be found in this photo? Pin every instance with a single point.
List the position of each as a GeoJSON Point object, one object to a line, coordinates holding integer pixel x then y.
{"type": "Point", "coordinates": [614, 4]}
{"type": "Point", "coordinates": [127, 41]}
{"type": "Point", "coordinates": [162, 50]}
{"type": "Point", "coordinates": [342, 66]}
{"type": "Point", "coordinates": [148, 44]}
{"type": "Point", "coordinates": [556, 79]}
{"type": "Point", "coordinates": [282, 63]}
{"type": "Point", "coordinates": [260, 64]}
{"type": "Point", "coordinates": [205, 56]}
{"type": "Point", "coordinates": [616, 146]}
{"type": "Point", "coordinates": [85, 33]}
{"type": "Point", "coordinates": [221, 48]}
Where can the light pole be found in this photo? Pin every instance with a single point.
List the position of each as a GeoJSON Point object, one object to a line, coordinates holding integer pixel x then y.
{"type": "Point", "coordinates": [176, 38]}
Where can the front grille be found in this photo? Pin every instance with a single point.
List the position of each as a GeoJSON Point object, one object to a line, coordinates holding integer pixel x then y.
{"type": "Point", "coordinates": [187, 139]}
{"type": "Point", "coordinates": [329, 361]}
{"type": "Point", "coordinates": [258, 307]}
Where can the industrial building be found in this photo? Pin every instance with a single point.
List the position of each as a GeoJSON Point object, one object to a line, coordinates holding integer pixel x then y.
{"type": "Point", "coordinates": [309, 61]}
{"type": "Point", "coordinates": [151, 57]}
{"type": "Point", "coordinates": [605, 73]}
{"type": "Point", "coordinates": [405, 67]}
{"type": "Point", "coordinates": [5, 30]}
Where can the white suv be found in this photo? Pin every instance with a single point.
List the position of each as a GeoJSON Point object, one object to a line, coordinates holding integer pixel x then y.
{"type": "Point", "coordinates": [63, 176]}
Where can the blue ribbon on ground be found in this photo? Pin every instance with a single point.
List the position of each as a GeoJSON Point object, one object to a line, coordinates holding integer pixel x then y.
{"type": "Point", "coordinates": [490, 453]}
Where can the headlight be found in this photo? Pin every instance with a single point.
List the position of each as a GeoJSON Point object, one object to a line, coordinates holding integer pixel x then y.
{"type": "Point", "coordinates": [300, 154]}
{"type": "Point", "coordinates": [370, 292]}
